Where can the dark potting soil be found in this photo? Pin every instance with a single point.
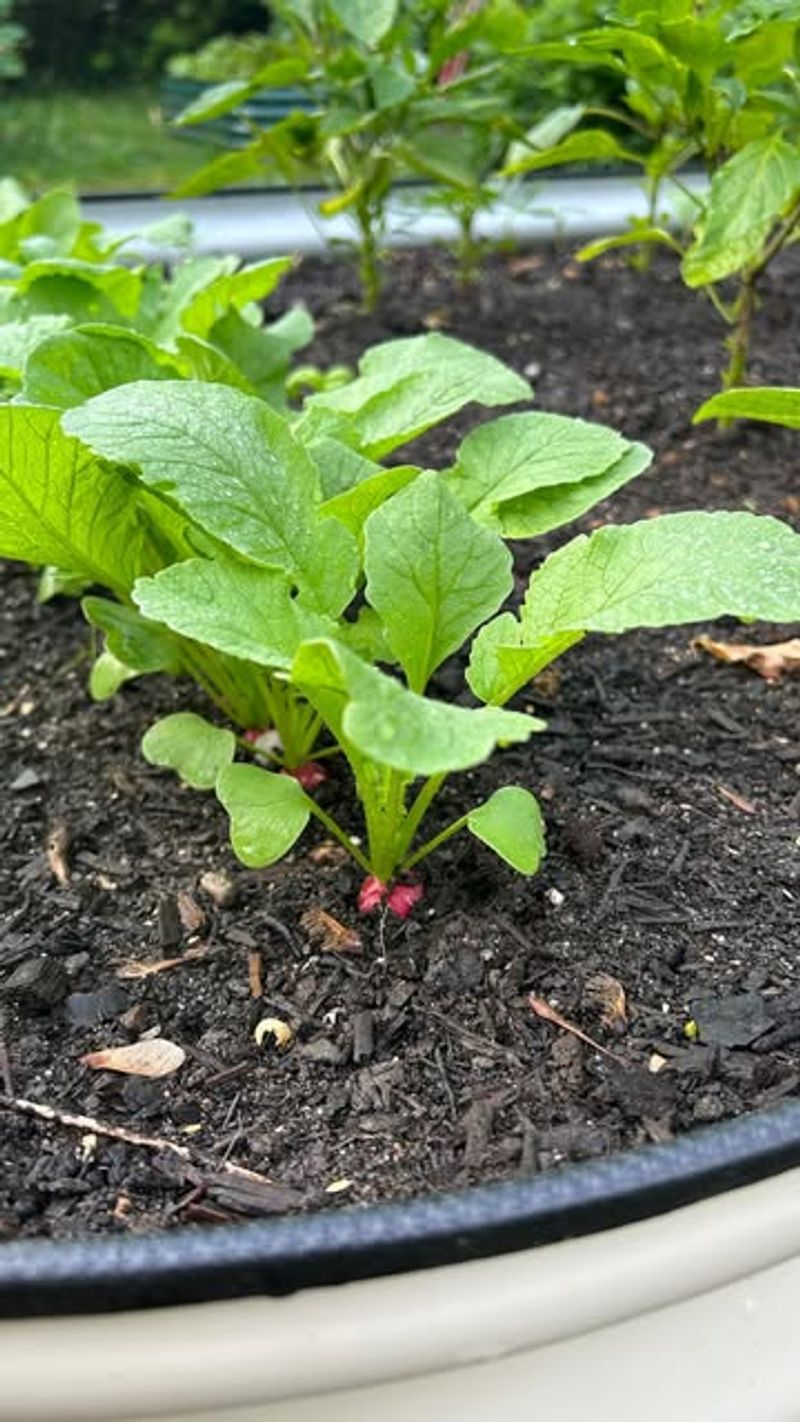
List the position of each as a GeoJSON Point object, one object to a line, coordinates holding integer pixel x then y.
{"type": "Point", "coordinates": [664, 922]}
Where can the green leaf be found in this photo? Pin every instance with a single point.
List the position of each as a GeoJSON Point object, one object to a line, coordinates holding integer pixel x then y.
{"type": "Point", "coordinates": [354, 506]}
{"type": "Point", "coordinates": [685, 567]}
{"type": "Point", "coordinates": [72, 366]}
{"type": "Point", "coordinates": [551, 507]}
{"type": "Point", "coordinates": [108, 674]}
{"type": "Point", "coordinates": [190, 280]}
{"type": "Point", "coordinates": [516, 455]}
{"type": "Point", "coordinates": [233, 464]}
{"type": "Point", "coordinates": [748, 195]}
{"type": "Point", "coordinates": [774, 404]}
{"type": "Point", "coordinates": [221, 98]}
{"type": "Point", "coordinates": [391, 85]}
{"type": "Point", "coordinates": [339, 467]}
{"type": "Point", "coordinates": [59, 582]}
{"type": "Point", "coordinates": [131, 638]}
{"type": "Point", "coordinates": [268, 812]}
{"type": "Point", "coordinates": [432, 575]}
{"type": "Point", "coordinates": [55, 217]}
{"type": "Point", "coordinates": [587, 145]}
{"type": "Point", "coordinates": [237, 608]}
{"type": "Point", "coordinates": [58, 504]}
{"type": "Point", "coordinates": [263, 352]}
{"type": "Point", "coordinates": [405, 387]}
{"type": "Point", "coordinates": [191, 746]}
{"type": "Point", "coordinates": [510, 822]}
{"type": "Point", "coordinates": [502, 660]}
{"type": "Point", "coordinates": [233, 289]}
{"type": "Point", "coordinates": [84, 287]}
{"type": "Point", "coordinates": [19, 338]}
{"type": "Point", "coordinates": [13, 201]}
{"type": "Point", "coordinates": [366, 20]}
{"type": "Point", "coordinates": [241, 166]}
{"type": "Point", "coordinates": [394, 726]}
{"type": "Point", "coordinates": [633, 238]}
{"type": "Point", "coordinates": [548, 131]}
{"type": "Point", "coordinates": [200, 360]}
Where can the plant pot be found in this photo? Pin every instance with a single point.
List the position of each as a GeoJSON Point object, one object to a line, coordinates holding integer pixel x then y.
{"type": "Point", "coordinates": [233, 130]}
{"type": "Point", "coordinates": [658, 1284]}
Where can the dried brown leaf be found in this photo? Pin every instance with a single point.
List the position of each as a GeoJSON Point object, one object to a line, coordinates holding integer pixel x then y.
{"type": "Point", "coordinates": [219, 886]}
{"type": "Point", "coordinates": [57, 850]}
{"type": "Point", "coordinates": [329, 934]}
{"type": "Point", "coordinates": [771, 661]}
{"type": "Point", "coordinates": [329, 852]}
{"type": "Point", "coordinates": [746, 806]}
{"type": "Point", "coordinates": [135, 968]}
{"type": "Point", "coordinates": [520, 266]}
{"type": "Point", "coordinates": [158, 1057]}
{"type": "Point", "coordinates": [254, 977]}
{"type": "Point", "coordinates": [607, 995]}
{"type": "Point", "coordinates": [437, 320]}
{"type": "Point", "coordinates": [541, 1008]}
{"type": "Point", "coordinates": [191, 915]}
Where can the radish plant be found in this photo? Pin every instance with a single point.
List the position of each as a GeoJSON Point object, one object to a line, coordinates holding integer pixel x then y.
{"type": "Point", "coordinates": [348, 583]}
{"type": "Point", "coordinates": [78, 315]}
{"type": "Point", "coordinates": [433, 579]}
{"type": "Point", "coordinates": [206, 468]}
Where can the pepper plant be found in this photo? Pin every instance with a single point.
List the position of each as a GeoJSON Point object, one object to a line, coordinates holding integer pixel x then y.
{"type": "Point", "coordinates": [705, 83]}
{"type": "Point", "coordinates": [382, 108]}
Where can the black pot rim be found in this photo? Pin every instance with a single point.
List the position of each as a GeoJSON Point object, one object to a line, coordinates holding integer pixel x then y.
{"type": "Point", "coordinates": [281, 1256]}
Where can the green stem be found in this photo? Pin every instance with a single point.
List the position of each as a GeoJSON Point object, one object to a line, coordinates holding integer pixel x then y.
{"type": "Point", "coordinates": [468, 248]}
{"type": "Point", "coordinates": [258, 753]}
{"type": "Point", "coordinates": [431, 844]}
{"type": "Point", "coordinates": [739, 341]}
{"type": "Point", "coordinates": [297, 724]}
{"type": "Point", "coordinates": [745, 306]}
{"type": "Point", "coordinates": [339, 834]}
{"type": "Point", "coordinates": [368, 265]}
{"type": "Point", "coordinates": [419, 809]}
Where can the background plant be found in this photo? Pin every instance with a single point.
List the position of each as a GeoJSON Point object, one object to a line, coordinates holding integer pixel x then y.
{"type": "Point", "coordinates": [380, 108]}
{"type": "Point", "coordinates": [712, 84]}
{"type": "Point", "coordinates": [95, 41]}
{"type": "Point", "coordinates": [12, 37]}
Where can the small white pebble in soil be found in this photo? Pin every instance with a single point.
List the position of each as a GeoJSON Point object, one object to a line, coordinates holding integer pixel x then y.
{"type": "Point", "coordinates": [554, 897]}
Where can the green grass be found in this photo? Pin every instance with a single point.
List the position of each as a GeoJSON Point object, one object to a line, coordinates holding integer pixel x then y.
{"type": "Point", "coordinates": [104, 142]}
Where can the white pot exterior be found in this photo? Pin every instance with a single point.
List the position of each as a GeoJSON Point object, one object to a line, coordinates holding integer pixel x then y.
{"type": "Point", "coordinates": [259, 224]}
{"type": "Point", "coordinates": [690, 1314]}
